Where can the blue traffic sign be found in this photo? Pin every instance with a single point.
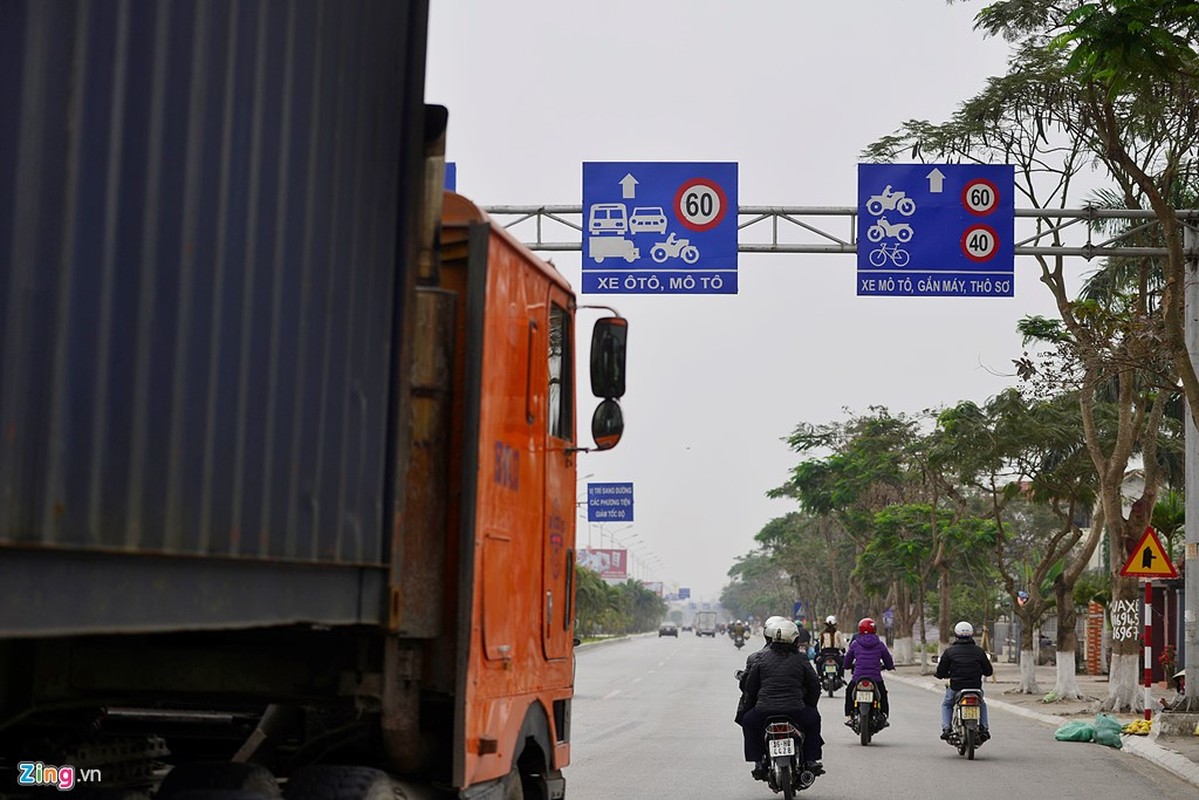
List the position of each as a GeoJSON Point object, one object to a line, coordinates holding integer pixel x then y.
{"type": "Point", "coordinates": [660, 228]}
{"type": "Point", "coordinates": [451, 176]}
{"type": "Point", "coordinates": [609, 502]}
{"type": "Point", "coordinates": [936, 230]}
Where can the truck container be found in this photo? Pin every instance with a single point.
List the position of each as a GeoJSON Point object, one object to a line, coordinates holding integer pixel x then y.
{"type": "Point", "coordinates": [288, 437]}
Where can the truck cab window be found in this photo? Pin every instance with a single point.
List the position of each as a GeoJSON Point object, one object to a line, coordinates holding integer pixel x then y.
{"type": "Point", "coordinates": [561, 374]}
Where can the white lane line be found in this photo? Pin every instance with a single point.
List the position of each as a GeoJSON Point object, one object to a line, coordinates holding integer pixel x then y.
{"type": "Point", "coordinates": [610, 694]}
{"type": "Point", "coordinates": [637, 680]}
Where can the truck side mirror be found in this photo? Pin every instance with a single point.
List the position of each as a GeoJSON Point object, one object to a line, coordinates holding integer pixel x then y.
{"type": "Point", "coordinates": [608, 340]}
{"type": "Point", "coordinates": [607, 424]}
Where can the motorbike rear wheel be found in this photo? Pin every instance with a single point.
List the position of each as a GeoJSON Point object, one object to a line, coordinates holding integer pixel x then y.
{"type": "Point", "coordinates": [969, 739]}
{"type": "Point", "coordinates": [784, 779]}
{"type": "Point", "coordinates": [864, 714]}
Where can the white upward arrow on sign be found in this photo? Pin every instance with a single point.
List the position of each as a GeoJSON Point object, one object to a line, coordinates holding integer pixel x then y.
{"type": "Point", "coordinates": [936, 180]}
{"type": "Point", "coordinates": [628, 187]}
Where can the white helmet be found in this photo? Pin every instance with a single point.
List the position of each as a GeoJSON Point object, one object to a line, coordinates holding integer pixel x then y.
{"type": "Point", "coordinates": [963, 629]}
{"type": "Point", "coordinates": [770, 627]}
{"type": "Point", "coordinates": [830, 620]}
{"type": "Point", "coordinates": [786, 631]}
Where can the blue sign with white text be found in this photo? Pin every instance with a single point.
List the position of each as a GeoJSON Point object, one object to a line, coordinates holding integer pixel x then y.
{"type": "Point", "coordinates": [936, 230]}
{"type": "Point", "coordinates": [609, 502]}
{"type": "Point", "coordinates": [660, 228]}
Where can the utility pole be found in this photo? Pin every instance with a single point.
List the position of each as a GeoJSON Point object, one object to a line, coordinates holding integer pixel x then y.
{"type": "Point", "coordinates": [1190, 614]}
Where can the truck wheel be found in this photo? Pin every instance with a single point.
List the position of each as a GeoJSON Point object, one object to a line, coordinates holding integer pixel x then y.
{"type": "Point", "coordinates": [514, 790]}
{"type": "Point", "coordinates": [253, 780]}
{"type": "Point", "coordinates": [329, 782]}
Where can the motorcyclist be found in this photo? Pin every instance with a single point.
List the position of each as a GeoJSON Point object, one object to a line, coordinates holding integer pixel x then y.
{"type": "Point", "coordinates": [737, 629]}
{"type": "Point", "coordinates": [769, 630]}
{"type": "Point", "coordinates": [965, 664]}
{"type": "Point", "coordinates": [781, 681]}
{"type": "Point", "coordinates": [867, 657]}
{"type": "Point", "coordinates": [832, 645]}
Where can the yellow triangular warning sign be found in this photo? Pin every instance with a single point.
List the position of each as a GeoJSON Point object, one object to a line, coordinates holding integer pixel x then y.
{"type": "Point", "coordinates": [1149, 559]}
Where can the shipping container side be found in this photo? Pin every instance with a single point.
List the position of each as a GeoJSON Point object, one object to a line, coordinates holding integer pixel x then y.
{"type": "Point", "coordinates": [206, 211]}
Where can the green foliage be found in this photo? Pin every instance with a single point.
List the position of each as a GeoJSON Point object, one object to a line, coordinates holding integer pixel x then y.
{"type": "Point", "coordinates": [603, 609]}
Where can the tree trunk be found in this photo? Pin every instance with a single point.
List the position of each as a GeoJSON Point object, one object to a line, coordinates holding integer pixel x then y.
{"type": "Point", "coordinates": [1028, 657]}
{"type": "Point", "coordinates": [904, 651]}
{"type": "Point", "coordinates": [924, 666]}
{"type": "Point", "coordinates": [1066, 685]}
{"type": "Point", "coordinates": [943, 620]}
{"type": "Point", "coordinates": [1122, 694]}
{"type": "Point", "coordinates": [905, 621]}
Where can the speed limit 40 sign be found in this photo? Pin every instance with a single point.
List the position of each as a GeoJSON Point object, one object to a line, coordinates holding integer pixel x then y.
{"type": "Point", "coordinates": [941, 230]}
{"type": "Point", "coordinates": [660, 227]}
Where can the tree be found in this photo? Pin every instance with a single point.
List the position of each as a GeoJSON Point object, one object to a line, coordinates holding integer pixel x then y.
{"type": "Point", "coordinates": [1067, 94]}
{"type": "Point", "coordinates": [1135, 71]}
{"type": "Point", "coordinates": [1015, 449]}
{"type": "Point", "coordinates": [865, 468]}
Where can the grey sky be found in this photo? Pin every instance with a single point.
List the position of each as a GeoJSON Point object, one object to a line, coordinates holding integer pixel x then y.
{"type": "Point", "coordinates": [792, 90]}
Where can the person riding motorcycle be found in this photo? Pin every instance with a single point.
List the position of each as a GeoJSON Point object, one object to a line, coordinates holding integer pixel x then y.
{"type": "Point", "coordinates": [769, 630]}
{"type": "Point", "coordinates": [867, 657]}
{"type": "Point", "coordinates": [780, 681]}
{"type": "Point", "coordinates": [965, 664]}
{"type": "Point", "coordinates": [737, 629]}
{"type": "Point", "coordinates": [832, 645]}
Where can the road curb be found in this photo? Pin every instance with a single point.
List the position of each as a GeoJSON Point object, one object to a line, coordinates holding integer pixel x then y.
{"type": "Point", "coordinates": [1175, 763]}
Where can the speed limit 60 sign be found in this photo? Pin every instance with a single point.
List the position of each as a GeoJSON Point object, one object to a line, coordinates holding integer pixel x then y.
{"type": "Point", "coordinates": [660, 227]}
{"type": "Point", "coordinates": [936, 230]}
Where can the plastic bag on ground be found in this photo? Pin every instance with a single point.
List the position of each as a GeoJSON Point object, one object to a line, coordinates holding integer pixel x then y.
{"type": "Point", "coordinates": [1107, 731]}
{"type": "Point", "coordinates": [1077, 730]}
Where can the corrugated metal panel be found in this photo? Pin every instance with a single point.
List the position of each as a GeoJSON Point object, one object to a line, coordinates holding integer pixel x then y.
{"type": "Point", "coordinates": [199, 222]}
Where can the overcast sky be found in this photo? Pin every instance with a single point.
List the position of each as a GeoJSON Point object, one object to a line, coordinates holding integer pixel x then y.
{"type": "Point", "coordinates": [793, 91]}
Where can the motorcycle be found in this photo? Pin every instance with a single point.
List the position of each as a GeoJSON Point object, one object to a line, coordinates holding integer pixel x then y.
{"type": "Point", "coordinates": [965, 725]}
{"type": "Point", "coordinates": [674, 248]}
{"type": "Point", "coordinates": [738, 641]}
{"type": "Point", "coordinates": [830, 675]}
{"type": "Point", "coordinates": [868, 718]}
{"type": "Point", "coordinates": [787, 772]}
{"type": "Point", "coordinates": [878, 203]}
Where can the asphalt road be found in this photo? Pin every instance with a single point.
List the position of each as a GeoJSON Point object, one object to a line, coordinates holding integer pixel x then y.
{"type": "Point", "coordinates": [653, 718]}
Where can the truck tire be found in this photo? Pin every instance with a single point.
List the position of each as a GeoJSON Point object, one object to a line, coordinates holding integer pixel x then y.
{"type": "Point", "coordinates": [330, 782]}
{"type": "Point", "coordinates": [254, 780]}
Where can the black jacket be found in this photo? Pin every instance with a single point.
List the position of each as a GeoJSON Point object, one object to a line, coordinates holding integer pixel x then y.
{"type": "Point", "coordinates": [965, 664]}
{"type": "Point", "coordinates": [781, 678]}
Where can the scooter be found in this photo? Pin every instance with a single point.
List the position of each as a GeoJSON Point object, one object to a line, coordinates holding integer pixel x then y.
{"type": "Point", "coordinates": [884, 229]}
{"type": "Point", "coordinates": [868, 718]}
{"type": "Point", "coordinates": [965, 725]}
{"type": "Point", "coordinates": [830, 675]}
{"type": "Point", "coordinates": [784, 744]}
{"type": "Point", "coordinates": [888, 200]}
{"type": "Point", "coordinates": [674, 248]}
{"type": "Point", "coordinates": [738, 641]}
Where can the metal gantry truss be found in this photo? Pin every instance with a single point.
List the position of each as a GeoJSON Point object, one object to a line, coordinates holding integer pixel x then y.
{"type": "Point", "coordinates": [832, 229]}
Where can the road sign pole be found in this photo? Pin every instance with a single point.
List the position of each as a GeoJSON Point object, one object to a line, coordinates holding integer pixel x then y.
{"type": "Point", "coordinates": [1148, 649]}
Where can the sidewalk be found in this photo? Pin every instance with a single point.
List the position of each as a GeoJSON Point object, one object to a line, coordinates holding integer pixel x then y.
{"type": "Point", "coordinates": [1177, 754]}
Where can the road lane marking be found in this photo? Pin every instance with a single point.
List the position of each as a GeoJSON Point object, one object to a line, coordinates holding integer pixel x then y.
{"type": "Point", "coordinates": [610, 694]}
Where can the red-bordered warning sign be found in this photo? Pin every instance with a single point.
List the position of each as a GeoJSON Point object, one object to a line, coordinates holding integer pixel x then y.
{"type": "Point", "coordinates": [1149, 559]}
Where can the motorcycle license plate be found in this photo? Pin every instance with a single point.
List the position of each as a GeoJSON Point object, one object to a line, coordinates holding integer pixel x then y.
{"type": "Point", "coordinates": [969, 712]}
{"type": "Point", "coordinates": [831, 669]}
{"type": "Point", "coordinates": [865, 697]}
{"type": "Point", "coordinates": [782, 747]}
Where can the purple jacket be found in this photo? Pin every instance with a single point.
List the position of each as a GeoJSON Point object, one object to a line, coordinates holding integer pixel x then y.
{"type": "Point", "coordinates": [867, 655]}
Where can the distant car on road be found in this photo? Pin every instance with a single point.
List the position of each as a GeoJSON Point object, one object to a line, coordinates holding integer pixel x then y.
{"type": "Point", "coordinates": [647, 219]}
{"type": "Point", "coordinates": [668, 629]}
